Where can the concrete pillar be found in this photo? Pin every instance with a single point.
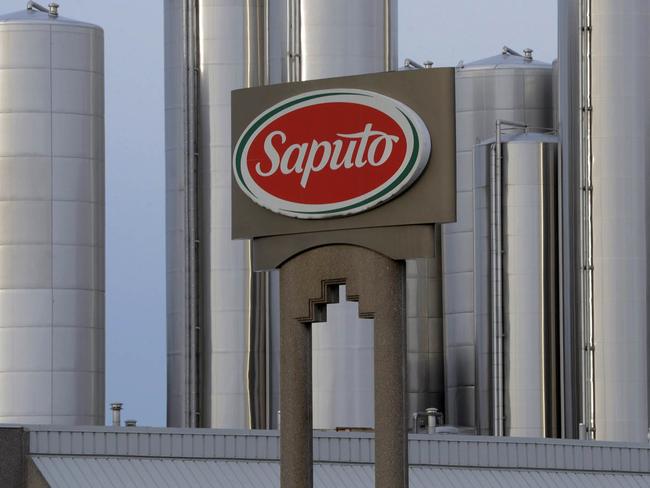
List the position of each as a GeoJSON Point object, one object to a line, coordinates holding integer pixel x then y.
{"type": "Point", "coordinates": [307, 283]}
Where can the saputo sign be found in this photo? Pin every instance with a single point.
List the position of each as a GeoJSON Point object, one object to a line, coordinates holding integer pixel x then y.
{"type": "Point", "coordinates": [330, 153]}
{"type": "Point", "coordinates": [367, 152]}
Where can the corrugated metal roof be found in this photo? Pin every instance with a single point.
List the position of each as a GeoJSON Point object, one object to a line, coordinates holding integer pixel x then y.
{"type": "Point", "coordinates": [73, 472]}
{"type": "Point", "coordinates": [424, 450]}
{"type": "Point", "coordinates": [108, 457]}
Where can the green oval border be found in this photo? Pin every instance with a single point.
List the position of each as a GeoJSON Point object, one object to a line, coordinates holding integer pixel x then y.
{"type": "Point", "coordinates": [239, 149]}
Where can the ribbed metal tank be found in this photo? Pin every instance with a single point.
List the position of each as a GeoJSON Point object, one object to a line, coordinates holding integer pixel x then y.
{"type": "Point", "coordinates": [604, 123]}
{"type": "Point", "coordinates": [211, 48]}
{"type": "Point", "coordinates": [51, 220]}
{"type": "Point", "coordinates": [225, 283]}
{"type": "Point", "coordinates": [511, 87]}
{"type": "Point", "coordinates": [528, 284]}
{"type": "Point", "coordinates": [223, 352]}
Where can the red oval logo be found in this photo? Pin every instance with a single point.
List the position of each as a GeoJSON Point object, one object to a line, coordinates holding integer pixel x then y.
{"type": "Point", "coordinates": [330, 153]}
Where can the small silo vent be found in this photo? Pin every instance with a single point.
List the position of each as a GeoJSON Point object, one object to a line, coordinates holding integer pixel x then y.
{"type": "Point", "coordinates": [52, 9]}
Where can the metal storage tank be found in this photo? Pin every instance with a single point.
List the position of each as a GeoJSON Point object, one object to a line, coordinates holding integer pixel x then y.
{"type": "Point", "coordinates": [211, 48]}
{"type": "Point", "coordinates": [507, 86]}
{"type": "Point", "coordinates": [604, 123]}
{"type": "Point", "coordinates": [223, 356]}
{"type": "Point", "coordinates": [51, 219]}
{"type": "Point", "coordinates": [517, 280]}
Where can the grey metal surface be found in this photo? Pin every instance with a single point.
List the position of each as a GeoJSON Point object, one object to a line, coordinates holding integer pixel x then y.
{"type": "Point", "coordinates": [51, 220]}
{"type": "Point", "coordinates": [609, 147]}
{"type": "Point", "coordinates": [502, 87]}
{"type": "Point", "coordinates": [529, 277]}
{"type": "Point", "coordinates": [72, 472]}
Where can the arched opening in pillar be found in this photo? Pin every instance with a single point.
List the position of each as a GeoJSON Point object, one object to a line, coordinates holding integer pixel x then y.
{"type": "Point", "coordinates": [343, 368]}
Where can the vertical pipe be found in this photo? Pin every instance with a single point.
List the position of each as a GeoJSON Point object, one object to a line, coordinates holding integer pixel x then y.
{"type": "Point", "coordinates": [388, 36]}
{"type": "Point", "coordinates": [116, 409]}
{"type": "Point", "coordinates": [181, 134]}
{"type": "Point", "coordinates": [293, 41]}
{"type": "Point", "coordinates": [585, 229]}
{"type": "Point", "coordinates": [193, 244]}
{"type": "Point", "coordinates": [495, 289]}
{"type": "Point", "coordinates": [569, 34]}
{"type": "Point", "coordinates": [496, 278]}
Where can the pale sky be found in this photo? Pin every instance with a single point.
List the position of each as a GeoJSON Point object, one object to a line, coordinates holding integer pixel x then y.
{"type": "Point", "coordinates": [437, 30]}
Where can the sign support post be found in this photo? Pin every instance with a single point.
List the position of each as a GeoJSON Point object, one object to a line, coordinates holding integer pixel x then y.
{"type": "Point", "coordinates": [308, 282]}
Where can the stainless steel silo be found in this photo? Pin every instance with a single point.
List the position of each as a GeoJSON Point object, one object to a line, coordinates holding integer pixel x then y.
{"type": "Point", "coordinates": [517, 259]}
{"type": "Point", "coordinates": [51, 219]}
{"type": "Point", "coordinates": [338, 38]}
{"type": "Point", "coordinates": [222, 359]}
{"type": "Point", "coordinates": [211, 48]}
{"type": "Point", "coordinates": [511, 87]}
{"type": "Point", "coordinates": [604, 122]}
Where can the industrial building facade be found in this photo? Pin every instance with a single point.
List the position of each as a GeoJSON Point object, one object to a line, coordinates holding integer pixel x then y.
{"type": "Point", "coordinates": [70, 457]}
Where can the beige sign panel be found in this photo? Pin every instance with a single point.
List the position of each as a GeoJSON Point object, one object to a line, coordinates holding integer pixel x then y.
{"type": "Point", "coordinates": [360, 152]}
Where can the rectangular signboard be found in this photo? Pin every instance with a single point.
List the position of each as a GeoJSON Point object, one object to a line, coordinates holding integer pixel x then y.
{"type": "Point", "coordinates": [354, 152]}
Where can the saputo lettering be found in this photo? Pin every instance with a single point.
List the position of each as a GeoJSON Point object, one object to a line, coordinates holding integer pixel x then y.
{"type": "Point", "coordinates": [369, 146]}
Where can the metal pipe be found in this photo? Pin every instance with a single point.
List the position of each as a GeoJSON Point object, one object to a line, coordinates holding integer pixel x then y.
{"type": "Point", "coordinates": [388, 37]}
{"type": "Point", "coordinates": [288, 41]}
{"type": "Point", "coordinates": [434, 419]}
{"type": "Point", "coordinates": [496, 278]}
{"type": "Point", "coordinates": [496, 291]}
{"type": "Point", "coordinates": [409, 63]}
{"type": "Point", "coordinates": [294, 71]}
{"type": "Point", "coordinates": [37, 6]}
{"type": "Point", "coordinates": [586, 286]}
{"type": "Point", "coordinates": [416, 420]}
{"type": "Point", "coordinates": [116, 408]}
{"type": "Point", "coordinates": [507, 50]}
{"type": "Point", "coordinates": [192, 247]}
{"type": "Point", "coordinates": [256, 42]}
{"type": "Point", "coordinates": [52, 9]}
{"type": "Point", "coordinates": [567, 122]}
